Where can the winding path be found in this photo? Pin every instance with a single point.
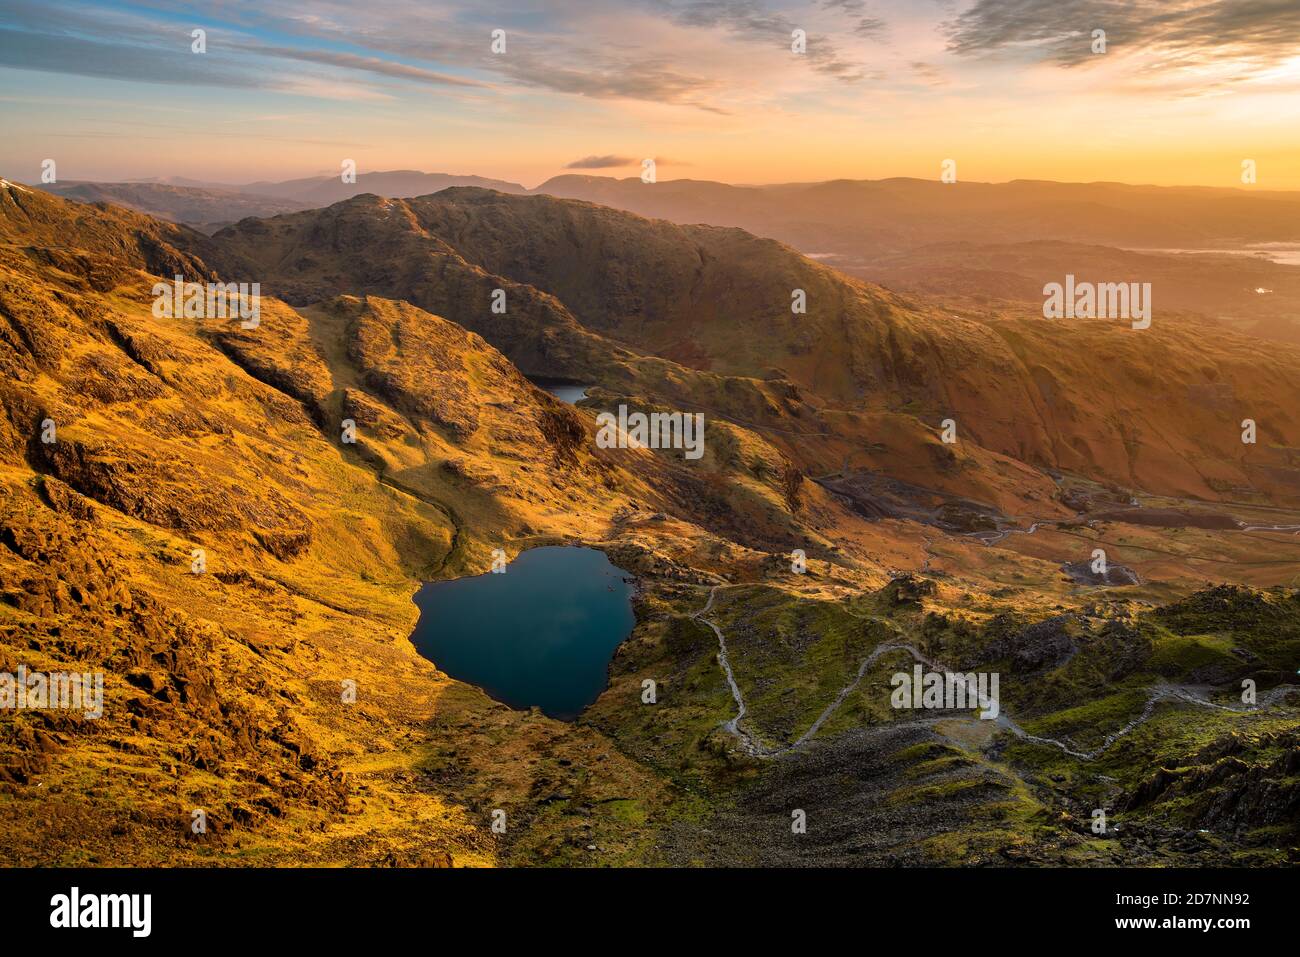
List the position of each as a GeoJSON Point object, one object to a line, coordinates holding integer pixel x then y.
{"type": "Point", "coordinates": [1002, 533]}
{"type": "Point", "coordinates": [1185, 693]}
{"type": "Point", "coordinates": [1191, 694]}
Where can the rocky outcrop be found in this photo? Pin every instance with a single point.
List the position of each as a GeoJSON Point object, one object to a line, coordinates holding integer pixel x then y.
{"type": "Point", "coordinates": [1230, 793]}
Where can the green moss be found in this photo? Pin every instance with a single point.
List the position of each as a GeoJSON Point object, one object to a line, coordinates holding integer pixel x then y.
{"type": "Point", "coordinates": [1088, 724]}
{"type": "Point", "coordinates": [945, 789]}
{"type": "Point", "coordinates": [791, 657]}
{"type": "Point", "coordinates": [1176, 656]}
{"type": "Point", "coordinates": [938, 766]}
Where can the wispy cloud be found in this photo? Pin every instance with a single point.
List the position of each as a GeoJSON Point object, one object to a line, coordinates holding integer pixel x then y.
{"type": "Point", "coordinates": [366, 64]}
{"type": "Point", "coordinates": [117, 45]}
{"type": "Point", "coordinates": [750, 20]}
{"type": "Point", "coordinates": [927, 73]}
{"type": "Point", "coordinates": [872, 27]}
{"type": "Point", "coordinates": [24, 50]}
{"type": "Point", "coordinates": [675, 52]}
{"type": "Point", "coordinates": [601, 162]}
{"type": "Point", "coordinates": [1251, 34]}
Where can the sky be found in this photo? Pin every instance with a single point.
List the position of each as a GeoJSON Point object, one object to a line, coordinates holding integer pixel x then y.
{"type": "Point", "coordinates": [1182, 93]}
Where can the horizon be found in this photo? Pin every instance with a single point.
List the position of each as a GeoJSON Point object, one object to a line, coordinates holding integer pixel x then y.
{"type": "Point", "coordinates": [194, 183]}
{"type": "Point", "coordinates": [715, 90]}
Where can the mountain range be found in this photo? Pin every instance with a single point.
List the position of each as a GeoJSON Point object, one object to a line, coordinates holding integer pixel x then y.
{"type": "Point", "coordinates": [1226, 256]}
{"type": "Point", "coordinates": [947, 466]}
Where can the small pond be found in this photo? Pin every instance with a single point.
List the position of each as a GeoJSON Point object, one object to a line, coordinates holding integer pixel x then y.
{"type": "Point", "coordinates": [540, 633]}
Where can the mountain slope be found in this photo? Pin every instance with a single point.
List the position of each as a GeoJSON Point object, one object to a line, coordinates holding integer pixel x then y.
{"type": "Point", "coordinates": [719, 301]}
{"type": "Point", "coordinates": [985, 247]}
{"type": "Point", "coordinates": [224, 688]}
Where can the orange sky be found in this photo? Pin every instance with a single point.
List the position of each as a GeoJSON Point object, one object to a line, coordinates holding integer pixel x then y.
{"type": "Point", "coordinates": [712, 89]}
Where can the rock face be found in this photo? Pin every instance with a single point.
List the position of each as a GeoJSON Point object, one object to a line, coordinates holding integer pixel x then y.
{"type": "Point", "coordinates": [1221, 791]}
{"type": "Point", "coordinates": [908, 590]}
{"type": "Point", "coordinates": [1085, 574]}
{"type": "Point", "coordinates": [1037, 647]}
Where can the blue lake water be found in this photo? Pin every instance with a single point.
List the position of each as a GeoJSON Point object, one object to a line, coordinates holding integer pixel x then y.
{"type": "Point", "coordinates": [562, 389]}
{"type": "Point", "coordinates": [541, 633]}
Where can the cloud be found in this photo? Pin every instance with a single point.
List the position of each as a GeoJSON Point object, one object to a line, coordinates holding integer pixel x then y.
{"type": "Point", "coordinates": [325, 89]}
{"type": "Point", "coordinates": [601, 162]}
{"type": "Point", "coordinates": [749, 20]}
{"type": "Point", "coordinates": [654, 51]}
{"type": "Point", "coordinates": [928, 73]}
{"type": "Point", "coordinates": [614, 162]}
{"type": "Point", "coordinates": [23, 50]}
{"type": "Point", "coordinates": [1253, 33]}
{"type": "Point", "coordinates": [552, 53]}
{"type": "Point", "coordinates": [110, 44]}
{"type": "Point", "coordinates": [559, 52]}
{"type": "Point", "coordinates": [871, 27]}
{"type": "Point", "coordinates": [368, 64]}
{"type": "Point", "coordinates": [604, 77]}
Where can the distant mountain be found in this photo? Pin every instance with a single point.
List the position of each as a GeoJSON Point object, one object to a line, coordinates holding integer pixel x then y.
{"type": "Point", "coordinates": [183, 181]}
{"type": "Point", "coordinates": [853, 221]}
{"type": "Point", "coordinates": [1239, 291]}
{"type": "Point", "coordinates": [856, 225]}
{"type": "Point", "coordinates": [205, 208]}
{"type": "Point", "coordinates": [864, 218]}
{"type": "Point", "coordinates": [316, 191]}
{"type": "Point", "coordinates": [209, 206]}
